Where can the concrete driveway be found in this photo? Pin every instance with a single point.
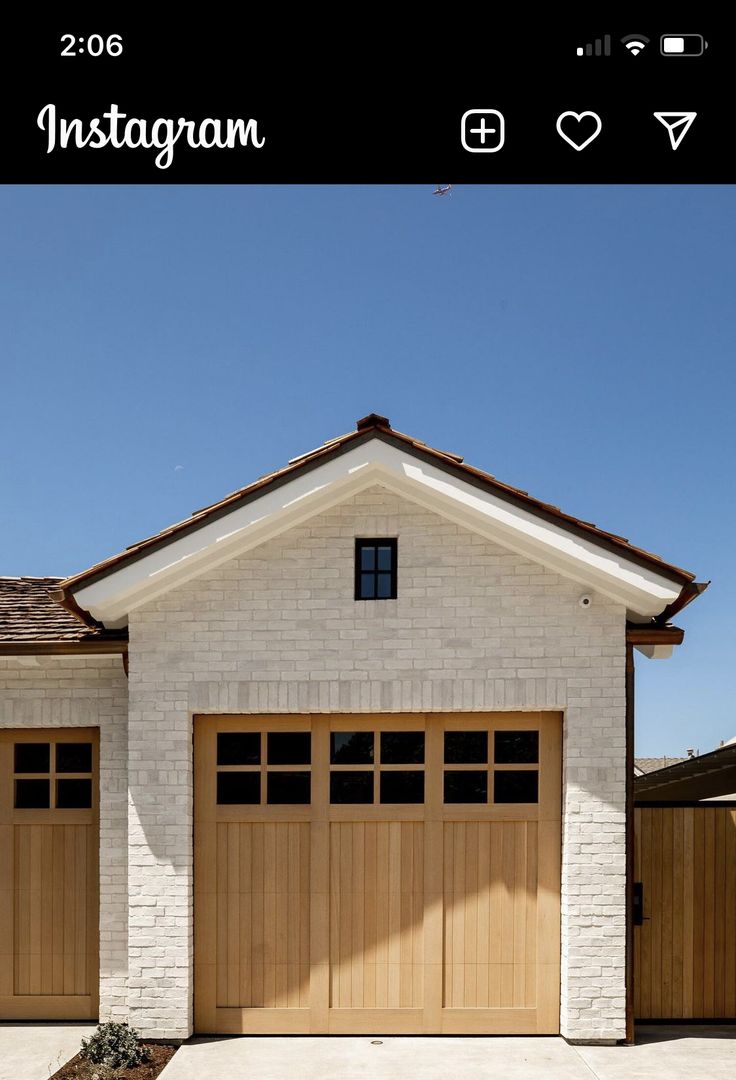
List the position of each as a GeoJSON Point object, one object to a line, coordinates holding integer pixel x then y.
{"type": "Point", "coordinates": [36, 1051]}
{"type": "Point", "coordinates": [673, 1053]}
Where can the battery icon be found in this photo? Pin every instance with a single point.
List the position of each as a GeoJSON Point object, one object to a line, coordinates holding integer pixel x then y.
{"type": "Point", "coordinates": [682, 45]}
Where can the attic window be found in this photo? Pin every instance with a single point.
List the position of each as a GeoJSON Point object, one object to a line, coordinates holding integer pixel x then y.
{"type": "Point", "coordinates": [375, 569]}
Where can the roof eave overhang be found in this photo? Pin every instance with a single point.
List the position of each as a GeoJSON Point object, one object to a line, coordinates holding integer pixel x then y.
{"type": "Point", "coordinates": [97, 647]}
{"type": "Point", "coordinates": [638, 583]}
{"type": "Point", "coordinates": [654, 640]}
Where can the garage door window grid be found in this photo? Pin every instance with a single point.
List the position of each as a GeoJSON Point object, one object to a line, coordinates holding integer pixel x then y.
{"type": "Point", "coordinates": [369, 767]}
{"type": "Point", "coordinates": [264, 768]}
{"type": "Point", "coordinates": [504, 769]}
{"type": "Point", "coordinates": [52, 776]}
{"type": "Point", "coordinates": [377, 767]}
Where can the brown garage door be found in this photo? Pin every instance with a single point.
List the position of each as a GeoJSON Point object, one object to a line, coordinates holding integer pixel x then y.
{"type": "Point", "coordinates": [49, 840]}
{"type": "Point", "coordinates": [393, 873]}
{"type": "Point", "coordinates": [685, 949]}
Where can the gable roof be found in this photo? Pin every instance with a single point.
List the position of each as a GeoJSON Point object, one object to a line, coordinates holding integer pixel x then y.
{"type": "Point", "coordinates": [679, 587]}
{"type": "Point", "coordinates": [32, 621]}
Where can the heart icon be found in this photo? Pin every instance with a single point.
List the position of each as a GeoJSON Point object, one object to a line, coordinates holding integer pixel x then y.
{"type": "Point", "coordinates": [577, 127]}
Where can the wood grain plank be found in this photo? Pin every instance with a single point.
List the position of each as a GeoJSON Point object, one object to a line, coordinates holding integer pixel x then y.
{"type": "Point", "coordinates": [688, 897]}
{"type": "Point", "coordinates": [33, 898]}
{"type": "Point", "coordinates": [57, 928]}
{"type": "Point", "coordinates": [678, 910]}
{"type": "Point", "coordinates": [483, 856]}
{"type": "Point", "coordinates": [47, 918]}
{"type": "Point", "coordinates": [232, 932]}
{"type": "Point", "coordinates": [470, 911]}
{"type": "Point", "coordinates": [666, 919]}
{"type": "Point", "coordinates": [22, 911]}
{"type": "Point", "coordinates": [81, 908]}
{"type": "Point", "coordinates": [709, 906]}
{"type": "Point", "coordinates": [370, 925]}
{"type": "Point", "coordinates": [730, 909]}
{"type": "Point", "coordinates": [282, 914]}
{"type": "Point", "coordinates": [394, 913]}
{"type": "Point", "coordinates": [719, 913]}
{"type": "Point", "coordinates": [259, 913]}
{"type": "Point", "coordinates": [7, 897]}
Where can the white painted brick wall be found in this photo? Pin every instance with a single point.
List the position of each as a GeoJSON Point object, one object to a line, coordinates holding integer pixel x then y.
{"type": "Point", "coordinates": [51, 691]}
{"type": "Point", "coordinates": [278, 630]}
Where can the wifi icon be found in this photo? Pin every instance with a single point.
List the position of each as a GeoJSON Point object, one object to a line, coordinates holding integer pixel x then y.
{"type": "Point", "coordinates": [634, 43]}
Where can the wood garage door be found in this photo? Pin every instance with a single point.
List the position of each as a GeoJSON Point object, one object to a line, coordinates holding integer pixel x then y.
{"type": "Point", "coordinates": [685, 950]}
{"type": "Point", "coordinates": [393, 873]}
{"type": "Point", "coordinates": [49, 890]}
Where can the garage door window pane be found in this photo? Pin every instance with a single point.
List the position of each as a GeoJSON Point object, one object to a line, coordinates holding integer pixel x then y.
{"type": "Point", "coordinates": [74, 757]}
{"type": "Point", "coordinates": [515, 786]}
{"type": "Point", "coordinates": [466, 747]}
{"type": "Point", "coordinates": [466, 786]}
{"type": "Point", "coordinates": [73, 794]}
{"type": "Point", "coordinates": [238, 788]}
{"type": "Point", "coordinates": [402, 748]}
{"type": "Point", "coordinates": [351, 747]}
{"type": "Point", "coordinates": [289, 787]}
{"type": "Point", "coordinates": [351, 787]}
{"type": "Point", "coordinates": [289, 748]}
{"type": "Point", "coordinates": [238, 748]}
{"type": "Point", "coordinates": [31, 757]}
{"type": "Point", "coordinates": [516, 747]}
{"type": "Point", "coordinates": [31, 794]}
{"type": "Point", "coordinates": [398, 786]}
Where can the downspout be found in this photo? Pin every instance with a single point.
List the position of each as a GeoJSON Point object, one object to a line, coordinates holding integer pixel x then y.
{"type": "Point", "coordinates": [630, 864]}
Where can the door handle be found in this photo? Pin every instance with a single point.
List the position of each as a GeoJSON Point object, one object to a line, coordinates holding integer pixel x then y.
{"type": "Point", "coordinates": [638, 904]}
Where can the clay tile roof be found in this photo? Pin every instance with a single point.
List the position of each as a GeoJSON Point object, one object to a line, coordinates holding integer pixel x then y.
{"type": "Point", "coordinates": [29, 616]}
{"type": "Point", "coordinates": [375, 426]}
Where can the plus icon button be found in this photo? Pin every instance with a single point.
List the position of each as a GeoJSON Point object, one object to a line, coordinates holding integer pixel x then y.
{"type": "Point", "coordinates": [482, 131]}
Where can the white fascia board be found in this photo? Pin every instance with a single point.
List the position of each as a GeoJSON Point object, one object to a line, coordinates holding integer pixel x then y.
{"type": "Point", "coordinates": [643, 591]}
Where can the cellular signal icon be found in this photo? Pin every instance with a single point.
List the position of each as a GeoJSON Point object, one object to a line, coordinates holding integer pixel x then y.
{"type": "Point", "coordinates": [599, 47]}
{"type": "Point", "coordinates": [634, 43]}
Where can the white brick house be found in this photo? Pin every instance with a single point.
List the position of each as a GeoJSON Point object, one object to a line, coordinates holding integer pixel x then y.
{"type": "Point", "coordinates": [468, 725]}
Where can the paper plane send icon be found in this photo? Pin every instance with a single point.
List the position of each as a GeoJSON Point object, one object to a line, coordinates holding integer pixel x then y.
{"type": "Point", "coordinates": [677, 123]}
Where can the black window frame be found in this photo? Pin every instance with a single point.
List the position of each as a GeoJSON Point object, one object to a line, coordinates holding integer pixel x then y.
{"type": "Point", "coordinates": [375, 542]}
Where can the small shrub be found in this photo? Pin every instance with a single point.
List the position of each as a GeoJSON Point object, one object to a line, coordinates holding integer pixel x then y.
{"type": "Point", "coordinates": [114, 1045]}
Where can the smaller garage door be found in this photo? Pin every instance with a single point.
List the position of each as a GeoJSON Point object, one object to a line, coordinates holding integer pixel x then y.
{"type": "Point", "coordinates": [49, 839]}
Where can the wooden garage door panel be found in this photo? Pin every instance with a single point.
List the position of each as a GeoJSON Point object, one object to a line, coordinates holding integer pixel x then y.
{"type": "Point", "coordinates": [49, 923]}
{"type": "Point", "coordinates": [331, 916]}
{"type": "Point", "coordinates": [262, 896]}
{"type": "Point", "coordinates": [490, 914]}
{"type": "Point", "coordinates": [53, 864]}
{"type": "Point", "coordinates": [377, 915]}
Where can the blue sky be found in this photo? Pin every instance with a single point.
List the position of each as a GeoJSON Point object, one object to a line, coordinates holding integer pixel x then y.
{"type": "Point", "coordinates": [577, 342]}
